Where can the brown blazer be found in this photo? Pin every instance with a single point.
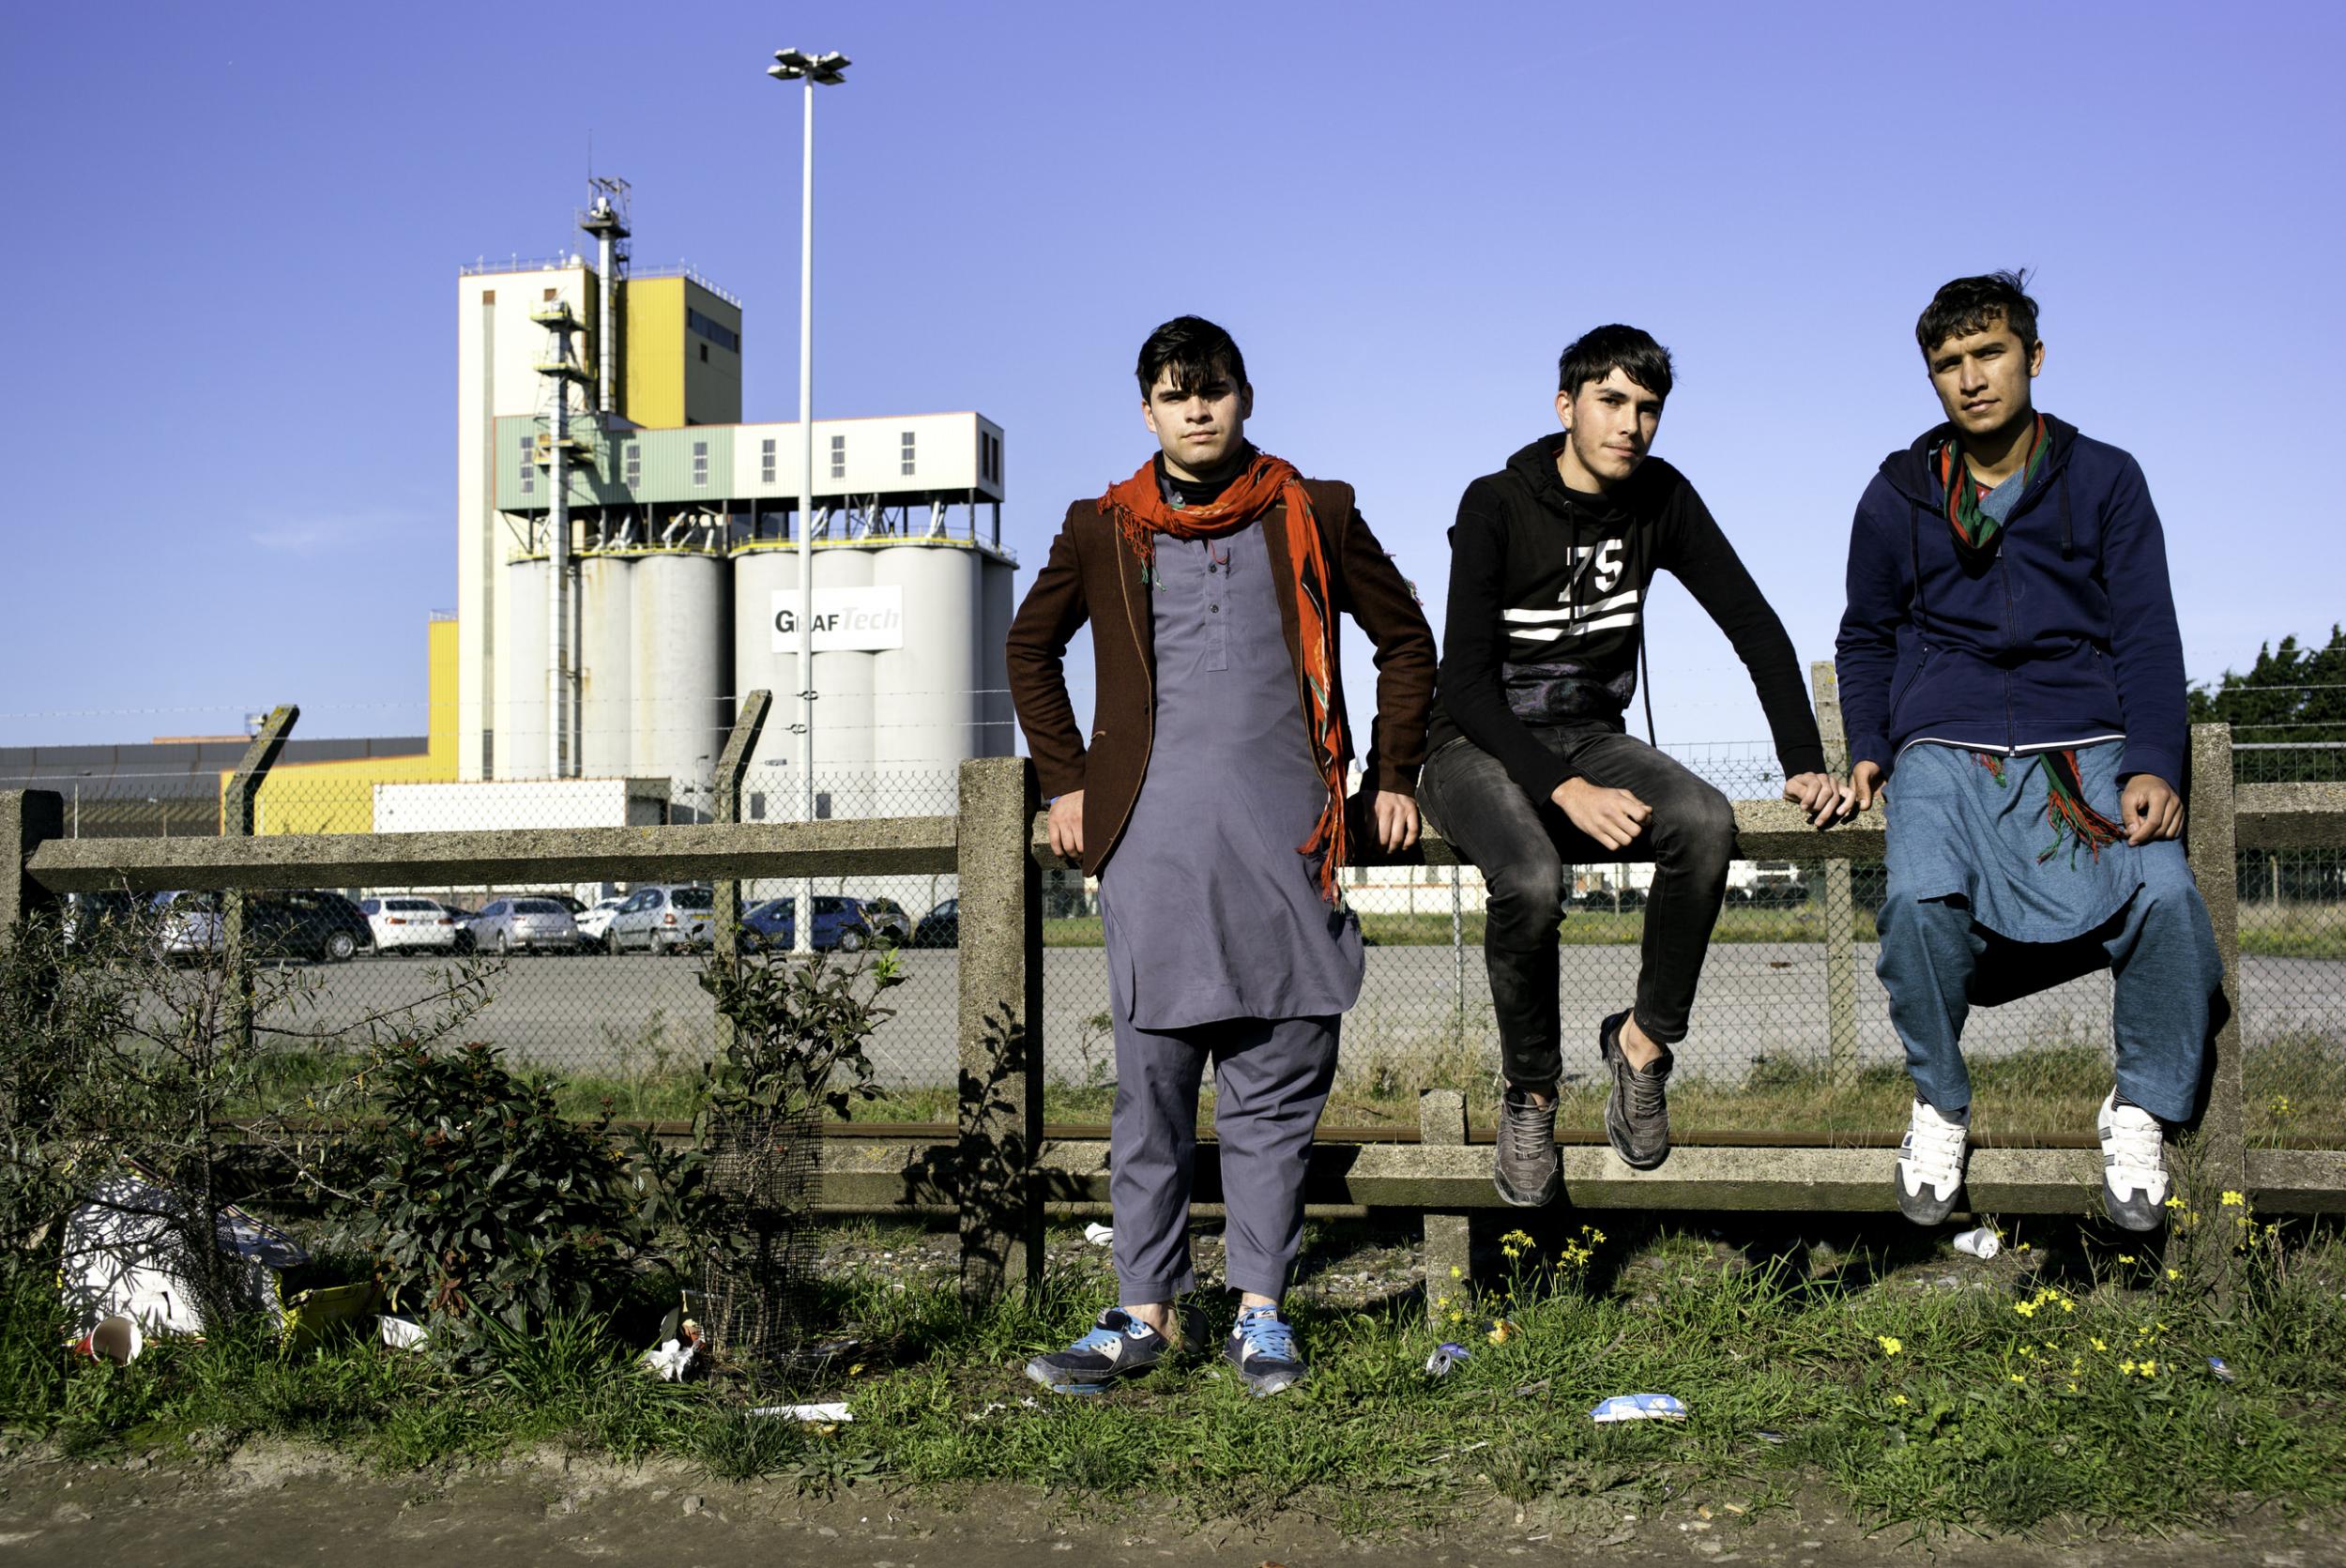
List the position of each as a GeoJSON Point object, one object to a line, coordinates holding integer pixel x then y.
{"type": "Point", "coordinates": [1094, 575]}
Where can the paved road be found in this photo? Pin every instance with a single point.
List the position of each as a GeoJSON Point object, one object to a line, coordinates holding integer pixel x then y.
{"type": "Point", "coordinates": [637, 1013]}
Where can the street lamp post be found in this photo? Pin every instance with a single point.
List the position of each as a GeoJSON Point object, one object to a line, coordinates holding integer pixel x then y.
{"type": "Point", "coordinates": [796, 65]}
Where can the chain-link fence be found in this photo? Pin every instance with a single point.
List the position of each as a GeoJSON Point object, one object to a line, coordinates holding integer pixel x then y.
{"type": "Point", "coordinates": [599, 981]}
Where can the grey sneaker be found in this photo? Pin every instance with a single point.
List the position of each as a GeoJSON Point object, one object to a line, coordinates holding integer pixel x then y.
{"type": "Point", "coordinates": [1527, 1173]}
{"type": "Point", "coordinates": [1638, 1112]}
{"type": "Point", "coordinates": [1119, 1346]}
{"type": "Point", "coordinates": [1262, 1347]}
{"type": "Point", "coordinates": [2133, 1165]}
{"type": "Point", "coordinates": [1929, 1168]}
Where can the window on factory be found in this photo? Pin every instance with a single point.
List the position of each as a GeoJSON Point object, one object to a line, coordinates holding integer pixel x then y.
{"type": "Point", "coordinates": [704, 353]}
{"type": "Point", "coordinates": [908, 451]}
{"type": "Point", "coordinates": [839, 457]}
{"type": "Point", "coordinates": [765, 461]}
{"type": "Point", "coordinates": [529, 464]}
{"type": "Point", "coordinates": [715, 331]}
{"type": "Point", "coordinates": [700, 463]}
{"type": "Point", "coordinates": [633, 468]}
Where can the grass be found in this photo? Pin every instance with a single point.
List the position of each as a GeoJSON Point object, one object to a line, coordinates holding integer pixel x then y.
{"type": "Point", "coordinates": [2296, 1094]}
{"type": "Point", "coordinates": [2072, 1385]}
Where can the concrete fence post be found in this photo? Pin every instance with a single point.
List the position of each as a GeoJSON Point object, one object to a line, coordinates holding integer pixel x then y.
{"type": "Point", "coordinates": [2210, 843]}
{"type": "Point", "coordinates": [1000, 1029]}
{"type": "Point", "coordinates": [724, 940]}
{"type": "Point", "coordinates": [1441, 1122]}
{"type": "Point", "coordinates": [28, 819]}
{"type": "Point", "coordinates": [1840, 907]}
{"type": "Point", "coordinates": [240, 819]}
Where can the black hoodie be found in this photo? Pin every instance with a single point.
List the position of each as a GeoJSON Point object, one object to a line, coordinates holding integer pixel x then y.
{"type": "Point", "coordinates": [1547, 590]}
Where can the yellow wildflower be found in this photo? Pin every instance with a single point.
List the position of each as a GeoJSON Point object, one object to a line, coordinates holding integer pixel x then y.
{"type": "Point", "coordinates": [1898, 1399]}
{"type": "Point", "coordinates": [2125, 1368]}
{"type": "Point", "coordinates": [2150, 1369]}
{"type": "Point", "coordinates": [2174, 1273]}
{"type": "Point", "coordinates": [1457, 1272]}
{"type": "Point", "coordinates": [2096, 1342]}
{"type": "Point", "coordinates": [2126, 1257]}
{"type": "Point", "coordinates": [1890, 1346]}
{"type": "Point", "coordinates": [2067, 1305]}
{"type": "Point", "coordinates": [2017, 1378]}
{"type": "Point", "coordinates": [2233, 1200]}
{"type": "Point", "coordinates": [2026, 1309]}
{"type": "Point", "coordinates": [2175, 1202]}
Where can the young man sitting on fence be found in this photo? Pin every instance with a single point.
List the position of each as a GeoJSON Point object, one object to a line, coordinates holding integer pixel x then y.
{"type": "Point", "coordinates": [1532, 769]}
{"type": "Point", "coordinates": [2013, 683]}
{"type": "Point", "coordinates": [1210, 802]}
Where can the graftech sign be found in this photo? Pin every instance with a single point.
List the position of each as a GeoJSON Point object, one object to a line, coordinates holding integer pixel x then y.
{"type": "Point", "coordinates": [847, 620]}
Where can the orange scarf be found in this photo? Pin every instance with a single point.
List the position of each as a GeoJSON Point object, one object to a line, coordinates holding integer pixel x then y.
{"type": "Point", "coordinates": [1141, 512]}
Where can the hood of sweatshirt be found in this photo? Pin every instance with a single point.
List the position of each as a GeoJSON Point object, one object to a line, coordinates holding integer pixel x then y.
{"type": "Point", "coordinates": [1535, 466]}
{"type": "Point", "coordinates": [1910, 472]}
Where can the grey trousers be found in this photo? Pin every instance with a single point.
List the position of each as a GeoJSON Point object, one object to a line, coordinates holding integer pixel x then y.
{"type": "Point", "coordinates": [1270, 1078]}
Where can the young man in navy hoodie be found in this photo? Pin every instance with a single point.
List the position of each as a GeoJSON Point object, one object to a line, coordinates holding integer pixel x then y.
{"type": "Point", "coordinates": [2013, 684]}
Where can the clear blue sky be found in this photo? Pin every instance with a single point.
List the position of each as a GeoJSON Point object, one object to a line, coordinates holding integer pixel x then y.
{"type": "Point", "coordinates": [235, 233]}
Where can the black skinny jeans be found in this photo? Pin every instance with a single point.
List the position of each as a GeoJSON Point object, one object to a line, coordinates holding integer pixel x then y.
{"type": "Point", "coordinates": [1522, 847]}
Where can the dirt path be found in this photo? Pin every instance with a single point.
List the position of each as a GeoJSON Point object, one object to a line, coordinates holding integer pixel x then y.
{"type": "Point", "coordinates": [282, 1506]}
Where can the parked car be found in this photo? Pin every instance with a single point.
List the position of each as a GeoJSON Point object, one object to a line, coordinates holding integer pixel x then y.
{"type": "Point", "coordinates": [403, 920]}
{"type": "Point", "coordinates": [86, 914]}
{"type": "Point", "coordinates": [840, 925]}
{"type": "Point", "coordinates": [664, 919]}
{"type": "Point", "coordinates": [301, 923]}
{"type": "Point", "coordinates": [527, 923]}
{"type": "Point", "coordinates": [570, 902]}
{"type": "Point", "coordinates": [592, 924]}
{"type": "Point", "coordinates": [887, 920]}
{"type": "Point", "coordinates": [940, 927]}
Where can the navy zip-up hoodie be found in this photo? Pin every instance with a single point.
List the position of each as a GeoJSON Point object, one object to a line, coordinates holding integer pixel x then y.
{"type": "Point", "coordinates": [2066, 633]}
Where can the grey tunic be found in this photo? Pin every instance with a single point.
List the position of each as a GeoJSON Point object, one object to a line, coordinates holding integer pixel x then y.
{"type": "Point", "coordinates": [1208, 911]}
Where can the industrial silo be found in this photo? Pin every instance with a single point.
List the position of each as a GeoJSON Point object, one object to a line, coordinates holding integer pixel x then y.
{"type": "Point", "coordinates": [997, 729]}
{"type": "Point", "coordinates": [923, 702]}
{"type": "Point", "coordinates": [681, 615]}
{"type": "Point", "coordinates": [843, 712]}
{"type": "Point", "coordinates": [759, 572]}
{"type": "Point", "coordinates": [521, 726]}
{"type": "Point", "coordinates": [606, 654]}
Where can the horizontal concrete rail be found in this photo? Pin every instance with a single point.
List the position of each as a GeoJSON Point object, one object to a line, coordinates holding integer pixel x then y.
{"type": "Point", "coordinates": [698, 851]}
{"type": "Point", "coordinates": [878, 1173]}
{"type": "Point", "coordinates": [2268, 816]}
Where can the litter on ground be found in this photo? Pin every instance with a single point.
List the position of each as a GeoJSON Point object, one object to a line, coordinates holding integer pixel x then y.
{"type": "Point", "coordinates": [1639, 1407]}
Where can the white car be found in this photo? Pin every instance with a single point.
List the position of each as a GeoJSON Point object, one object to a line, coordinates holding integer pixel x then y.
{"type": "Point", "coordinates": [597, 919]}
{"type": "Point", "coordinates": [405, 921]}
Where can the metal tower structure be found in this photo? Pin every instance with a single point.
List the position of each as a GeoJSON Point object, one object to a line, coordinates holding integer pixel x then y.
{"type": "Point", "coordinates": [555, 451]}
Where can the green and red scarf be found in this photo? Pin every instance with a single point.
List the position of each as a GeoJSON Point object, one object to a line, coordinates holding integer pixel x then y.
{"type": "Point", "coordinates": [2066, 810]}
{"type": "Point", "coordinates": [1976, 531]}
{"type": "Point", "coordinates": [1142, 513]}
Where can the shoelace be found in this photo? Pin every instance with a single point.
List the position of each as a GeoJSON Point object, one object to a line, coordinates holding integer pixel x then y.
{"type": "Point", "coordinates": [2135, 1142]}
{"type": "Point", "coordinates": [1530, 1129]}
{"type": "Point", "coordinates": [1103, 1336]}
{"type": "Point", "coordinates": [1263, 1334]}
{"type": "Point", "coordinates": [1646, 1092]}
{"type": "Point", "coordinates": [1935, 1149]}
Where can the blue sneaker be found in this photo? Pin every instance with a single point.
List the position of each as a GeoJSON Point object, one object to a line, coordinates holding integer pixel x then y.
{"type": "Point", "coordinates": [1119, 1346]}
{"type": "Point", "coordinates": [1262, 1347]}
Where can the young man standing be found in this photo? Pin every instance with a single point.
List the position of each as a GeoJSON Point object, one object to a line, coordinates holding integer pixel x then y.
{"type": "Point", "coordinates": [1210, 802]}
{"type": "Point", "coordinates": [1532, 768]}
{"type": "Point", "coordinates": [2009, 655]}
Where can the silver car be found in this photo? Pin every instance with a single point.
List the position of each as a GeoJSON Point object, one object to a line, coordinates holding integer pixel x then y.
{"type": "Point", "coordinates": [664, 919]}
{"type": "Point", "coordinates": [523, 924]}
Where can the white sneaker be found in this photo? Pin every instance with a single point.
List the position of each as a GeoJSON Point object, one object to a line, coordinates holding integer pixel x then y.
{"type": "Point", "coordinates": [1930, 1165]}
{"type": "Point", "coordinates": [2133, 1165]}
